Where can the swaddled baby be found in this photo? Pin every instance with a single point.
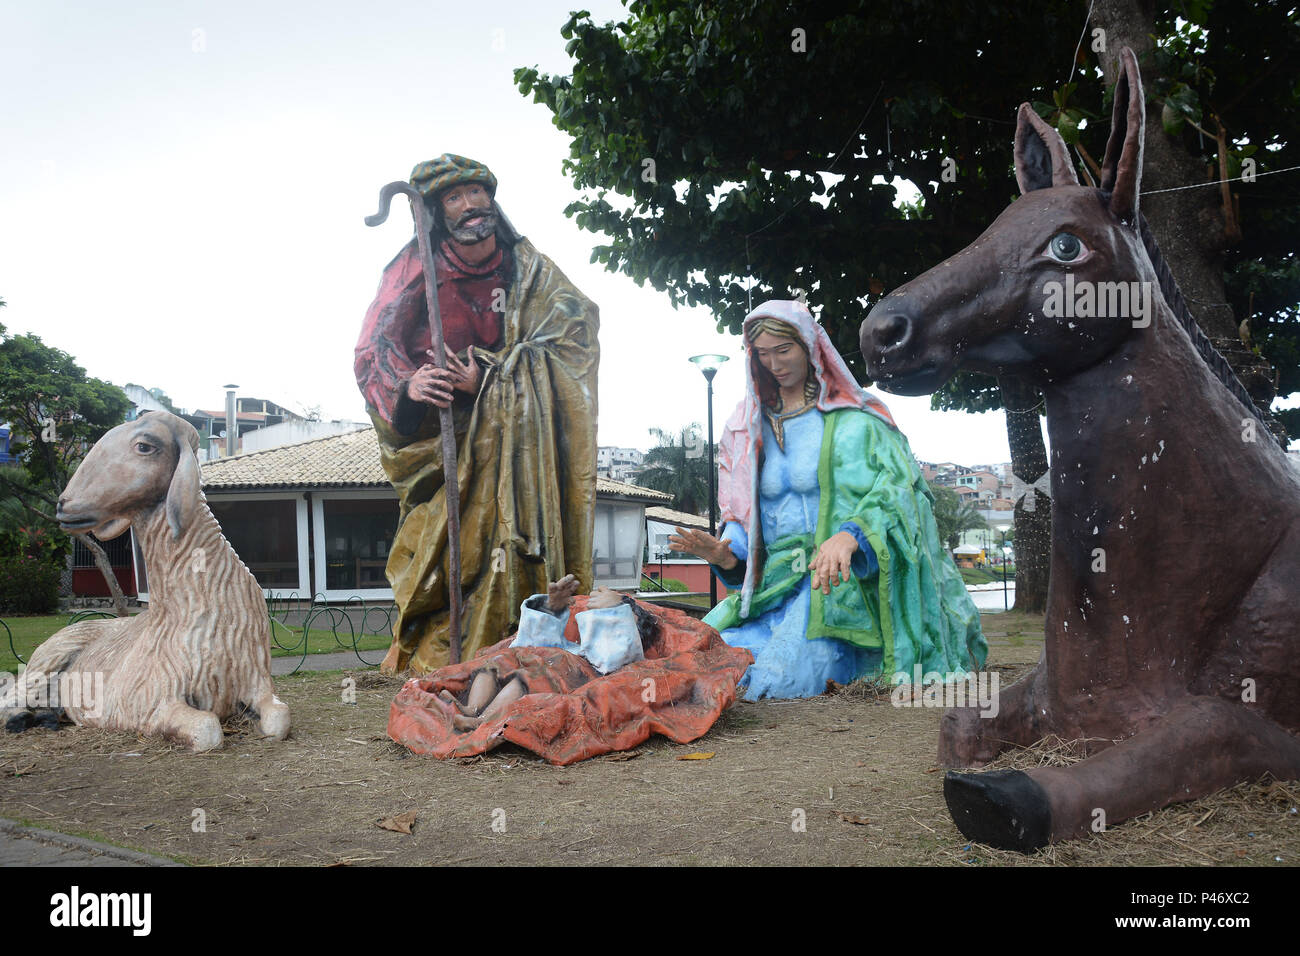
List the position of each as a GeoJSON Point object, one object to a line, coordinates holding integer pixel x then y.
{"type": "Point", "coordinates": [613, 632]}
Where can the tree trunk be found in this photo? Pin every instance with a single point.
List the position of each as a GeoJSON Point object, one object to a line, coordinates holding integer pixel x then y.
{"type": "Point", "coordinates": [101, 562]}
{"type": "Point", "coordinates": [1188, 224]}
{"type": "Point", "coordinates": [1028, 463]}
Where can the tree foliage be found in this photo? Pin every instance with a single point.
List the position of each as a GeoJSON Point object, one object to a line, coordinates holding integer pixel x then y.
{"type": "Point", "coordinates": [56, 412]}
{"type": "Point", "coordinates": [1222, 75]}
{"type": "Point", "coordinates": [741, 150]}
{"type": "Point", "coordinates": [678, 465]}
{"type": "Point", "coordinates": [952, 516]}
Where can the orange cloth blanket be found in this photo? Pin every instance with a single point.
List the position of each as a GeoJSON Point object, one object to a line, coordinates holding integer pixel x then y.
{"type": "Point", "coordinates": [570, 711]}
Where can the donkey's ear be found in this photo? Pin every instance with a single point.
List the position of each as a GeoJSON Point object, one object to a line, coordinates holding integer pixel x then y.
{"type": "Point", "coordinates": [1121, 170]}
{"type": "Point", "coordinates": [1041, 158]}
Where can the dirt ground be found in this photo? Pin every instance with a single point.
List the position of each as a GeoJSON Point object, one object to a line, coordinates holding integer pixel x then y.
{"type": "Point", "coordinates": [858, 773]}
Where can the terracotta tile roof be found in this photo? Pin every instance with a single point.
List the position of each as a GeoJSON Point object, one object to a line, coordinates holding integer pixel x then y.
{"type": "Point", "coordinates": [608, 486]}
{"type": "Point", "coordinates": [668, 516]}
{"type": "Point", "coordinates": [349, 460]}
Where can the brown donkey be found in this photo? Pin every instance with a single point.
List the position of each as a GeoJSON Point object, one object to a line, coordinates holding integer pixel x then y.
{"type": "Point", "coordinates": [1178, 664]}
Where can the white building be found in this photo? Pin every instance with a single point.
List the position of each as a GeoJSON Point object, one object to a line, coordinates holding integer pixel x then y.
{"type": "Point", "coordinates": [620, 464]}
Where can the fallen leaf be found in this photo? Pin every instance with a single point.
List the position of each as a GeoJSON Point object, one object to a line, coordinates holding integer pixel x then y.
{"type": "Point", "coordinates": [398, 824]}
{"type": "Point", "coordinates": [698, 755]}
{"type": "Point", "coordinates": [837, 730]}
{"type": "Point", "coordinates": [934, 770]}
{"type": "Point", "coordinates": [853, 818]}
{"type": "Point", "coordinates": [621, 755]}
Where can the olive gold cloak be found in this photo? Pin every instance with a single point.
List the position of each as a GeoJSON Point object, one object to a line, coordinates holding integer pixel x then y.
{"type": "Point", "coordinates": [526, 450]}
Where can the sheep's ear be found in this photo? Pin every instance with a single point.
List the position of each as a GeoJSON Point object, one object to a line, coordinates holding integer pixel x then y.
{"type": "Point", "coordinates": [183, 494]}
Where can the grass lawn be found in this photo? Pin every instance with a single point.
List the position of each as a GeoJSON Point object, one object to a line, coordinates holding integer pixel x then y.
{"type": "Point", "coordinates": [987, 575]}
{"type": "Point", "coordinates": [29, 632]}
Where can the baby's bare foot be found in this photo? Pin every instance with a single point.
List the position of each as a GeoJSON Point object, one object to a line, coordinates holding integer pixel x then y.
{"type": "Point", "coordinates": [465, 724]}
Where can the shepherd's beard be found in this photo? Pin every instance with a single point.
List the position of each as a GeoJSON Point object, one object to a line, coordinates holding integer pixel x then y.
{"type": "Point", "coordinates": [475, 232]}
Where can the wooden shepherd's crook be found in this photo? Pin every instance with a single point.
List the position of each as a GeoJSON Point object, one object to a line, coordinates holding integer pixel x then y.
{"type": "Point", "coordinates": [423, 225]}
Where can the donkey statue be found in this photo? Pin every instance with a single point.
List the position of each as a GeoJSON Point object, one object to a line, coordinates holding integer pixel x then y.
{"type": "Point", "coordinates": [1172, 634]}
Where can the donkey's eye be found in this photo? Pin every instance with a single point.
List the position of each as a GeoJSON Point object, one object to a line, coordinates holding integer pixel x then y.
{"type": "Point", "coordinates": [144, 448]}
{"type": "Point", "coordinates": [1065, 247]}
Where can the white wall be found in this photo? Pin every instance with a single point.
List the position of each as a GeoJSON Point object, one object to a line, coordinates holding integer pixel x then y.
{"type": "Point", "coordinates": [292, 433]}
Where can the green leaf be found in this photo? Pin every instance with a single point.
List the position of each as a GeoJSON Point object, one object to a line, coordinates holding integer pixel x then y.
{"type": "Point", "coordinates": [1068, 127]}
{"type": "Point", "coordinates": [1171, 119]}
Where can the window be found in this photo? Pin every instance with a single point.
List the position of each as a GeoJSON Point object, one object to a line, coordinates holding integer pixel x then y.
{"type": "Point", "coordinates": [618, 543]}
{"type": "Point", "coordinates": [265, 536]}
{"type": "Point", "coordinates": [358, 535]}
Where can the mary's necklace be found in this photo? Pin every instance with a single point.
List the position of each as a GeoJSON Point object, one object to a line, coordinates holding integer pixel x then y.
{"type": "Point", "coordinates": [778, 416]}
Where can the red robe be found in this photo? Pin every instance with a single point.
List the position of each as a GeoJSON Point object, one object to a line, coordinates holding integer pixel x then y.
{"type": "Point", "coordinates": [395, 335]}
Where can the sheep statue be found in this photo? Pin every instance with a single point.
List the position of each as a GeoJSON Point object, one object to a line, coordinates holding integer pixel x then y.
{"type": "Point", "coordinates": [201, 652]}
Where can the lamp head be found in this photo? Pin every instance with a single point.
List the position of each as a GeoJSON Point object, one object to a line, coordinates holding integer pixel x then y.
{"type": "Point", "coordinates": [709, 364]}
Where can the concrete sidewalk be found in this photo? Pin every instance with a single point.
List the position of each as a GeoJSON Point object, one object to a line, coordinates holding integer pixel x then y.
{"type": "Point", "coordinates": [345, 660]}
{"type": "Point", "coordinates": [27, 846]}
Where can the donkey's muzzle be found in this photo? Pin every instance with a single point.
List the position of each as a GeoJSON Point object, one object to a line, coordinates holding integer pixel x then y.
{"type": "Point", "coordinates": [885, 338]}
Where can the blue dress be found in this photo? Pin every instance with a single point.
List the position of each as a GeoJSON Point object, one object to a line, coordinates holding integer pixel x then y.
{"type": "Point", "coordinates": [786, 662]}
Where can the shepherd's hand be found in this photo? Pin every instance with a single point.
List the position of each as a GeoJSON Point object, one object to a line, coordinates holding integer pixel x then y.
{"type": "Point", "coordinates": [464, 376]}
{"type": "Point", "coordinates": [430, 385]}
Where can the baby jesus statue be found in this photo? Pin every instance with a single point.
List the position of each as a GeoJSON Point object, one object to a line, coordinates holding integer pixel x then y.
{"type": "Point", "coordinates": [613, 630]}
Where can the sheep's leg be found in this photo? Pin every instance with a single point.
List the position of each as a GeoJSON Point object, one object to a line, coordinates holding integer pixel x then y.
{"type": "Point", "coordinates": [199, 730]}
{"type": "Point", "coordinates": [1202, 745]}
{"type": "Point", "coordinates": [272, 715]}
{"type": "Point", "coordinates": [969, 737]}
{"type": "Point", "coordinates": [56, 654]}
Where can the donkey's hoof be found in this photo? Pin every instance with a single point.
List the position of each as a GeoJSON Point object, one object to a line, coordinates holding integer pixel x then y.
{"type": "Point", "coordinates": [1005, 809]}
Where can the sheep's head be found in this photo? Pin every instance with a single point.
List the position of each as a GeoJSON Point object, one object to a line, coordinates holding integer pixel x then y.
{"type": "Point", "coordinates": [136, 467]}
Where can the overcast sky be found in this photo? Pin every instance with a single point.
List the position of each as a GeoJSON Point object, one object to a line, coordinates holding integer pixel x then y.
{"type": "Point", "coordinates": [183, 185]}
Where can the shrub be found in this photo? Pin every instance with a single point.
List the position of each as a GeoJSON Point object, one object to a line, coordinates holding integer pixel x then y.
{"type": "Point", "coordinates": [672, 584]}
{"type": "Point", "coordinates": [28, 586]}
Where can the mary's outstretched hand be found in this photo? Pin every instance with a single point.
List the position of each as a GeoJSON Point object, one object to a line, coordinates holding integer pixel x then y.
{"type": "Point", "coordinates": [704, 545]}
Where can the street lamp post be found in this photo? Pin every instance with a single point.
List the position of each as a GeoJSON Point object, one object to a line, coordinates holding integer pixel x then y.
{"type": "Point", "coordinates": [709, 364]}
{"type": "Point", "coordinates": [1006, 556]}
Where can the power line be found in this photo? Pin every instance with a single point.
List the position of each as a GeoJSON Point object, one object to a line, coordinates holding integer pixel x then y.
{"type": "Point", "coordinates": [1220, 182]}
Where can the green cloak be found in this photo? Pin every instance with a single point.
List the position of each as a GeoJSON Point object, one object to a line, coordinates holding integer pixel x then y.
{"type": "Point", "coordinates": [916, 609]}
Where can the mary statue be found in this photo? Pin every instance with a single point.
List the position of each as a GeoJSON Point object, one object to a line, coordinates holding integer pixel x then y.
{"type": "Point", "coordinates": [829, 530]}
